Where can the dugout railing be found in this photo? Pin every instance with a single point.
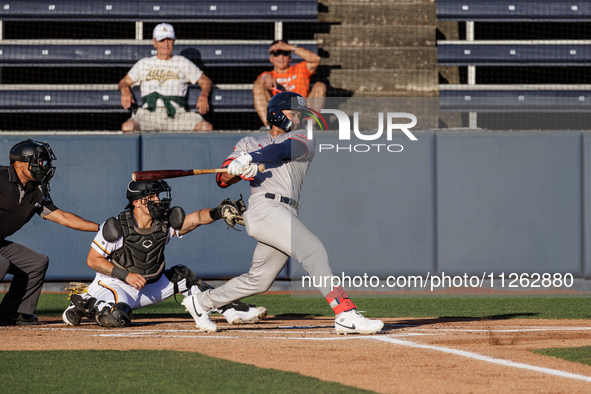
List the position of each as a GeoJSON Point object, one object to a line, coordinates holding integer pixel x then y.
{"type": "Point", "coordinates": [472, 53]}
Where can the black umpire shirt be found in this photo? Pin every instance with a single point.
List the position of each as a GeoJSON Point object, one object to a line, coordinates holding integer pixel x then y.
{"type": "Point", "coordinates": [18, 204]}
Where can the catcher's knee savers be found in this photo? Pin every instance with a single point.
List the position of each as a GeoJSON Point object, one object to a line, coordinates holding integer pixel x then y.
{"type": "Point", "coordinates": [84, 305]}
{"type": "Point", "coordinates": [179, 272]}
{"type": "Point", "coordinates": [117, 316]}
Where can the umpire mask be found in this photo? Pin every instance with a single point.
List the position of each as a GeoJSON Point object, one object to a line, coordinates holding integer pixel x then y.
{"type": "Point", "coordinates": [39, 156]}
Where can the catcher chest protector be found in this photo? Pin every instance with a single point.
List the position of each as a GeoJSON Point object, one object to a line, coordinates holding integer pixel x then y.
{"type": "Point", "coordinates": [143, 249]}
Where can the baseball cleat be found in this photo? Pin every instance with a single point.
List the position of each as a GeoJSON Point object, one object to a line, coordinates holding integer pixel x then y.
{"type": "Point", "coordinates": [71, 316]}
{"type": "Point", "coordinates": [201, 316]}
{"type": "Point", "coordinates": [253, 315]}
{"type": "Point", "coordinates": [352, 322]}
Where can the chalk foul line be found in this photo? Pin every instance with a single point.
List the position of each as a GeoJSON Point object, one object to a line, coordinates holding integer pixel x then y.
{"type": "Point", "coordinates": [483, 358]}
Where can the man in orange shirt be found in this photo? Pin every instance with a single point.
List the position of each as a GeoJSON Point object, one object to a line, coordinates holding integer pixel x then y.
{"type": "Point", "coordinates": [288, 78]}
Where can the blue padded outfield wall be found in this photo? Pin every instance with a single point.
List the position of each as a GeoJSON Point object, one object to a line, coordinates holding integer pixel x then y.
{"type": "Point", "coordinates": [458, 202]}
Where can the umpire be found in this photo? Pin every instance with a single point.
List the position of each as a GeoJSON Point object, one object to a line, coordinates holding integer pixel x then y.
{"type": "Point", "coordinates": [24, 191]}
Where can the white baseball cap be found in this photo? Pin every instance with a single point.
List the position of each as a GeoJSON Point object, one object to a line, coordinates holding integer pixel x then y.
{"type": "Point", "coordinates": [162, 31]}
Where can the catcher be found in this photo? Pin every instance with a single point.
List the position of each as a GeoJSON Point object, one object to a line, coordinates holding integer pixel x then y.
{"type": "Point", "coordinates": [128, 255]}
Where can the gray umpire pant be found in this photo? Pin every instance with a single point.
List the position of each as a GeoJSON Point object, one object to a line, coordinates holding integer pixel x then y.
{"type": "Point", "coordinates": [28, 268]}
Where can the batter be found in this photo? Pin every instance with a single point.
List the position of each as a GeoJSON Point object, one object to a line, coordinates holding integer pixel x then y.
{"type": "Point", "coordinates": [272, 219]}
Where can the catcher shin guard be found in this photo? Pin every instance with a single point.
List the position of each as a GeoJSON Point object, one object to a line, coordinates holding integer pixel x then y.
{"type": "Point", "coordinates": [179, 272]}
{"type": "Point", "coordinates": [116, 316]}
{"type": "Point", "coordinates": [84, 306]}
{"type": "Point", "coordinates": [339, 301]}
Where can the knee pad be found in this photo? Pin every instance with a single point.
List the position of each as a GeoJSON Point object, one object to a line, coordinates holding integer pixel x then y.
{"type": "Point", "coordinates": [121, 315]}
{"type": "Point", "coordinates": [84, 306]}
{"type": "Point", "coordinates": [117, 316]}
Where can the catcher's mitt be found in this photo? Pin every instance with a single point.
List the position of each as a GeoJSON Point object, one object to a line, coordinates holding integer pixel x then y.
{"type": "Point", "coordinates": [231, 211]}
{"type": "Point", "coordinates": [76, 288]}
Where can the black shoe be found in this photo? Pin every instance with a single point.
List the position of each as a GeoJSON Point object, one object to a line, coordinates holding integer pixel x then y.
{"type": "Point", "coordinates": [7, 318]}
{"type": "Point", "coordinates": [24, 319]}
{"type": "Point", "coordinates": [17, 319]}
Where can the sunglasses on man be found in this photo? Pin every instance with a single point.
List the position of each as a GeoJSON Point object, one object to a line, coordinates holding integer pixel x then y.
{"type": "Point", "coordinates": [280, 52]}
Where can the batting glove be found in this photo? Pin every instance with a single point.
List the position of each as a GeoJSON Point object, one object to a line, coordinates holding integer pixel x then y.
{"type": "Point", "coordinates": [238, 165]}
{"type": "Point", "coordinates": [250, 171]}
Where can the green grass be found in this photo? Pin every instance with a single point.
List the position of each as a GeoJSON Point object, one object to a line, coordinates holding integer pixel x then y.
{"type": "Point", "coordinates": [285, 305]}
{"type": "Point", "coordinates": [575, 354]}
{"type": "Point", "coordinates": [146, 371]}
{"type": "Point", "coordinates": [184, 372]}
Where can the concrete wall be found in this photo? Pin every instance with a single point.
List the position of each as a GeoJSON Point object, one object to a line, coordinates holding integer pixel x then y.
{"type": "Point", "coordinates": [453, 202]}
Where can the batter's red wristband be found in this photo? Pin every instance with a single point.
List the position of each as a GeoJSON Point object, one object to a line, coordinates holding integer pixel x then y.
{"type": "Point", "coordinates": [218, 178]}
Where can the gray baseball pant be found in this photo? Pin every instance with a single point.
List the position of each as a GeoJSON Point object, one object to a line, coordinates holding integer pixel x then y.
{"type": "Point", "coordinates": [28, 268]}
{"type": "Point", "coordinates": [280, 234]}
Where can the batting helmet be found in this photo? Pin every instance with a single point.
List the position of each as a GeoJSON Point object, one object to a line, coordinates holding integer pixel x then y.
{"type": "Point", "coordinates": [140, 189]}
{"type": "Point", "coordinates": [39, 156]}
{"type": "Point", "coordinates": [283, 101]}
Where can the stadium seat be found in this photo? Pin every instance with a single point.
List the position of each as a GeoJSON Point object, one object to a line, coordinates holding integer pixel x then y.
{"type": "Point", "coordinates": [511, 10]}
{"type": "Point", "coordinates": [62, 54]}
{"type": "Point", "coordinates": [532, 53]}
{"type": "Point", "coordinates": [515, 100]}
{"type": "Point", "coordinates": [108, 99]}
{"type": "Point", "coordinates": [127, 54]}
{"type": "Point", "coordinates": [179, 11]}
{"type": "Point", "coordinates": [516, 54]}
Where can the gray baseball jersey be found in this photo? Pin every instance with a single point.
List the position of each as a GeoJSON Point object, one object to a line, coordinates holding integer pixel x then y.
{"type": "Point", "coordinates": [275, 224]}
{"type": "Point", "coordinates": [285, 178]}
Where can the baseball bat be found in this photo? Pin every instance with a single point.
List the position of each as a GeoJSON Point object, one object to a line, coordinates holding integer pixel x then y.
{"type": "Point", "coordinates": [167, 174]}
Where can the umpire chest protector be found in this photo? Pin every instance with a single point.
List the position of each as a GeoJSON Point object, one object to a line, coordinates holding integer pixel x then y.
{"type": "Point", "coordinates": [143, 248]}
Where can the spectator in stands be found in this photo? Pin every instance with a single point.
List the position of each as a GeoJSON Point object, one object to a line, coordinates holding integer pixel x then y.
{"type": "Point", "coordinates": [288, 78]}
{"type": "Point", "coordinates": [24, 192]}
{"type": "Point", "coordinates": [164, 81]}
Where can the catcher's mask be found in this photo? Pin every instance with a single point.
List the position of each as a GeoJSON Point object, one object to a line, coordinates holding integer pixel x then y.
{"type": "Point", "coordinates": [283, 101]}
{"type": "Point", "coordinates": [140, 189]}
{"type": "Point", "coordinates": [39, 156]}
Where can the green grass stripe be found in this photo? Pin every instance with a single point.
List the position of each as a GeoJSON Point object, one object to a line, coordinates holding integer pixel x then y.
{"type": "Point", "coordinates": [580, 355]}
{"type": "Point", "coordinates": [284, 305]}
{"type": "Point", "coordinates": [146, 371]}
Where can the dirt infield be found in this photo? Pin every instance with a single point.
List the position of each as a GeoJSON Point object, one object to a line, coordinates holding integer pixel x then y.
{"type": "Point", "coordinates": [411, 355]}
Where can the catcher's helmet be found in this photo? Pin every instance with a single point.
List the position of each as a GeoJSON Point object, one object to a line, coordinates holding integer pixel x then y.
{"type": "Point", "coordinates": [283, 101]}
{"type": "Point", "coordinates": [140, 189]}
{"type": "Point", "coordinates": [39, 156]}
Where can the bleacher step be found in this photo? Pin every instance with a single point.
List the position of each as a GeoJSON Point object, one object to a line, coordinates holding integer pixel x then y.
{"type": "Point", "coordinates": [377, 36]}
{"type": "Point", "coordinates": [382, 58]}
{"type": "Point", "coordinates": [382, 13]}
{"type": "Point", "coordinates": [403, 81]}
